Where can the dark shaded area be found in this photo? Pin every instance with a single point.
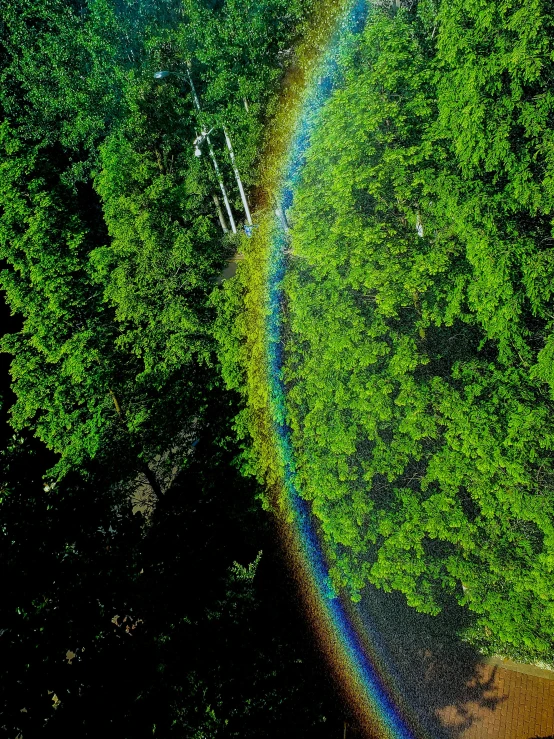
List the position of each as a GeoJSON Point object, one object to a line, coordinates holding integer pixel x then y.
{"type": "Point", "coordinates": [8, 324]}
{"type": "Point", "coordinates": [442, 680]}
{"type": "Point", "coordinates": [113, 630]}
{"type": "Point", "coordinates": [425, 657]}
{"type": "Point", "coordinates": [111, 625]}
{"type": "Point", "coordinates": [447, 345]}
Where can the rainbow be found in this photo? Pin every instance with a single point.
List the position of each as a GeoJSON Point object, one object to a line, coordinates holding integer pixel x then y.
{"type": "Point", "coordinates": [356, 653]}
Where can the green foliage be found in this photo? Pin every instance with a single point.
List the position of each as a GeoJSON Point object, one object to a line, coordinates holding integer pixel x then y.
{"type": "Point", "coordinates": [419, 306]}
{"type": "Point", "coordinates": [242, 307]}
{"type": "Point", "coordinates": [110, 247]}
{"type": "Point", "coordinates": [108, 229]}
{"type": "Point", "coordinates": [60, 378]}
{"type": "Point", "coordinates": [239, 330]}
{"type": "Point", "coordinates": [162, 255]}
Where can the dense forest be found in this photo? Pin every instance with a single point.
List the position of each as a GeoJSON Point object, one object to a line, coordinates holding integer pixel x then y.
{"type": "Point", "coordinates": [419, 324]}
{"type": "Point", "coordinates": [144, 591]}
{"type": "Point", "coordinates": [420, 303]}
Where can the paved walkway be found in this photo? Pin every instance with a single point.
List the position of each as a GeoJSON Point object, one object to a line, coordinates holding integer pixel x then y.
{"type": "Point", "coordinates": [502, 703]}
{"type": "Point", "coordinates": [452, 690]}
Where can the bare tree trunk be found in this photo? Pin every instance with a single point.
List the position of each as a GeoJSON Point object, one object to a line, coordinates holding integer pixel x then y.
{"type": "Point", "coordinates": [214, 160]}
{"type": "Point", "coordinates": [117, 406]}
{"type": "Point", "coordinates": [220, 214]}
{"type": "Point", "coordinates": [282, 218]}
{"type": "Point", "coordinates": [237, 177]}
{"type": "Point", "coordinates": [222, 186]}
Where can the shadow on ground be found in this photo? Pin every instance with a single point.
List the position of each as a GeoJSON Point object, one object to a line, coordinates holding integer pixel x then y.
{"type": "Point", "coordinates": [433, 670]}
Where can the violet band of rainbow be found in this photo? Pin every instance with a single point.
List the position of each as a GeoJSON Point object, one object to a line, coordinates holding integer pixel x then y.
{"type": "Point", "coordinates": [372, 684]}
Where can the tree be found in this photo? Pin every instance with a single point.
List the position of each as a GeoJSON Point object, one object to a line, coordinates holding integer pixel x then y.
{"type": "Point", "coordinates": [116, 313]}
{"type": "Point", "coordinates": [420, 421]}
{"type": "Point", "coordinates": [114, 623]}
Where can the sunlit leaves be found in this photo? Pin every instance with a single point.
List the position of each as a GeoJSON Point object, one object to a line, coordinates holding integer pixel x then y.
{"type": "Point", "coordinates": [422, 432]}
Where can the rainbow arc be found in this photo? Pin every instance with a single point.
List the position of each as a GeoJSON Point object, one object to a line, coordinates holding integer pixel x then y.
{"type": "Point", "coordinates": [358, 657]}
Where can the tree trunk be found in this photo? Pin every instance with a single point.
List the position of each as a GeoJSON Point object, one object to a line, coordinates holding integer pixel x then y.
{"type": "Point", "coordinates": [143, 467]}
{"type": "Point", "coordinates": [152, 479]}
{"type": "Point", "coordinates": [220, 214]}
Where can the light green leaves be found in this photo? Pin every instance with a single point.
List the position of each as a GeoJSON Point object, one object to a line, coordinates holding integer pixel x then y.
{"type": "Point", "coordinates": [415, 365]}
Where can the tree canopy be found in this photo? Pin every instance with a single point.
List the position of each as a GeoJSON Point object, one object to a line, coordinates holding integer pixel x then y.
{"type": "Point", "coordinates": [419, 299]}
{"type": "Point", "coordinates": [108, 230]}
{"type": "Point", "coordinates": [417, 313]}
{"type": "Point", "coordinates": [114, 623]}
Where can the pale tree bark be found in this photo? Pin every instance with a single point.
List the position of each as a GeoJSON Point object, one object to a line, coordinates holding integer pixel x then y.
{"type": "Point", "coordinates": [220, 214]}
